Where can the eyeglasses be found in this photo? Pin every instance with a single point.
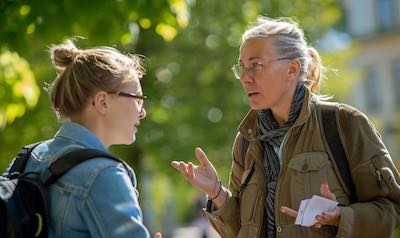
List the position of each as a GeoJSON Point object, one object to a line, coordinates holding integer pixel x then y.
{"type": "Point", "coordinates": [239, 69]}
{"type": "Point", "coordinates": [139, 98]}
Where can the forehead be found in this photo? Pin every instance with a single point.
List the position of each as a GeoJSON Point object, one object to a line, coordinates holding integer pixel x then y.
{"type": "Point", "coordinates": [257, 48]}
{"type": "Point", "coordinates": [133, 85]}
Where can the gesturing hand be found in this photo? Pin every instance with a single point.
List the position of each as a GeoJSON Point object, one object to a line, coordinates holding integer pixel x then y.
{"type": "Point", "coordinates": [203, 177]}
{"type": "Point", "coordinates": [325, 218]}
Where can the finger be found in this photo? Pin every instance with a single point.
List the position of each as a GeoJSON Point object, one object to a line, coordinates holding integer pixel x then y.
{"type": "Point", "coordinates": [318, 225]}
{"type": "Point", "coordinates": [330, 217]}
{"type": "Point", "coordinates": [288, 211]}
{"type": "Point", "coordinates": [202, 157]}
{"type": "Point", "coordinates": [175, 164]}
{"type": "Point", "coordinates": [184, 168]}
{"type": "Point", "coordinates": [191, 171]}
{"type": "Point", "coordinates": [326, 192]}
{"type": "Point", "coordinates": [158, 235]}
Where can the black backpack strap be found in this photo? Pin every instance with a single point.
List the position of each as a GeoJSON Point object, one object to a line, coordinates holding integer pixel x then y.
{"type": "Point", "coordinates": [71, 159]}
{"type": "Point", "coordinates": [244, 146]}
{"type": "Point", "coordinates": [327, 114]}
{"type": "Point", "coordinates": [19, 163]}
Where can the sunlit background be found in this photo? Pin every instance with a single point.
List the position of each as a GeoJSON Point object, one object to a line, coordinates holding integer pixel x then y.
{"type": "Point", "coordinates": [194, 99]}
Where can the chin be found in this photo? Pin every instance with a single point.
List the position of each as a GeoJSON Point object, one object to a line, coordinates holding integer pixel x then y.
{"type": "Point", "coordinates": [133, 139]}
{"type": "Point", "coordinates": [128, 141]}
{"type": "Point", "coordinates": [257, 107]}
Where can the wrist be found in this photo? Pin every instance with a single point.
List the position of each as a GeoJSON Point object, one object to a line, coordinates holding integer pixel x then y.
{"type": "Point", "coordinates": [218, 191]}
{"type": "Point", "coordinates": [221, 198]}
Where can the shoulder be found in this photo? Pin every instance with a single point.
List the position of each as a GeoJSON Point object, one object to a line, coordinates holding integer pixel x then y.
{"type": "Point", "coordinates": [346, 114]}
{"type": "Point", "coordinates": [352, 119]}
{"type": "Point", "coordinates": [237, 147]}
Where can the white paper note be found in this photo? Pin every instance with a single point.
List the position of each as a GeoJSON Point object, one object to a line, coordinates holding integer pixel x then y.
{"type": "Point", "coordinates": [310, 208]}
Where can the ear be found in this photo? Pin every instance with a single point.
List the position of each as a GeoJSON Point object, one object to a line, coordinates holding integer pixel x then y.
{"type": "Point", "coordinates": [294, 69]}
{"type": "Point", "coordinates": [100, 102]}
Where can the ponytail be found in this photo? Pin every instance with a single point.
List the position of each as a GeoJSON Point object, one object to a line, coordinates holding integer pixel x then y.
{"type": "Point", "coordinates": [315, 70]}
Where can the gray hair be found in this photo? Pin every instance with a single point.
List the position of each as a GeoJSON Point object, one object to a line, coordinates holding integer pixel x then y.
{"type": "Point", "coordinates": [289, 41]}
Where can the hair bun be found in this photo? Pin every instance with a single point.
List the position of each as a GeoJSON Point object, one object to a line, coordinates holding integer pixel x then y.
{"type": "Point", "coordinates": [64, 54]}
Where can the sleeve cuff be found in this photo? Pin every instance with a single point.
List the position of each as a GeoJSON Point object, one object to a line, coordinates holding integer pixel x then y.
{"type": "Point", "coordinates": [346, 222]}
{"type": "Point", "coordinates": [223, 214]}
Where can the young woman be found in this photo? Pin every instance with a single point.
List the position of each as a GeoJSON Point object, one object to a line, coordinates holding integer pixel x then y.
{"type": "Point", "coordinates": [99, 99]}
{"type": "Point", "coordinates": [280, 76]}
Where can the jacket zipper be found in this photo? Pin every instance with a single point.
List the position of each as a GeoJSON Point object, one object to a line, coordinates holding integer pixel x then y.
{"type": "Point", "coordinates": [277, 189]}
{"type": "Point", "coordinates": [379, 178]}
{"type": "Point", "coordinates": [263, 221]}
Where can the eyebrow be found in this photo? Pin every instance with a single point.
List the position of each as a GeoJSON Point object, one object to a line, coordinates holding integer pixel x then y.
{"type": "Point", "coordinates": [250, 59]}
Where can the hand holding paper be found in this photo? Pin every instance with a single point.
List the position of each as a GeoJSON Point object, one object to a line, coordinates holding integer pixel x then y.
{"type": "Point", "coordinates": [318, 210]}
{"type": "Point", "coordinates": [310, 208]}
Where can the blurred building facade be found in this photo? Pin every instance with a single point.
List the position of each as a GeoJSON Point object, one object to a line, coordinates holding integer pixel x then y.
{"type": "Point", "coordinates": [375, 28]}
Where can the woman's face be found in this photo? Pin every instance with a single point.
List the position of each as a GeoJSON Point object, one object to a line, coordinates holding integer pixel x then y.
{"type": "Point", "coordinates": [265, 79]}
{"type": "Point", "coordinates": [126, 113]}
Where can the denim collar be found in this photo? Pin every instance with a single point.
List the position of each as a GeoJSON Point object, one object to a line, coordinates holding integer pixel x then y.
{"type": "Point", "coordinates": [80, 134]}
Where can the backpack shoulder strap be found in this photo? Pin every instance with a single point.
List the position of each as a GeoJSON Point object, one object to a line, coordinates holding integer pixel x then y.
{"type": "Point", "coordinates": [244, 146]}
{"type": "Point", "coordinates": [19, 163]}
{"type": "Point", "coordinates": [70, 160]}
{"type": "Point", "coordinates": [327, 116]}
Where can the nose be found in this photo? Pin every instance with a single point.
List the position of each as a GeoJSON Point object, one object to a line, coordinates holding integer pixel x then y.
{"type": "Point", "coordinates": [142, 114]}
{"type": "Point", "coordinates": [246, 77]}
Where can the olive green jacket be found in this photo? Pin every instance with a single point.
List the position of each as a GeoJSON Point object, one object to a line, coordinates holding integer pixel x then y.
{"type": "Point", "coordinates": [304, 165]}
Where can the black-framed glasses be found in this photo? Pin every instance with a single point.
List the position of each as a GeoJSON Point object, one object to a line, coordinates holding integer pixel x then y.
{"type": "Point", "coordinates": [139, 98]}
{"type": "Point", "coordinates": [239, 69]}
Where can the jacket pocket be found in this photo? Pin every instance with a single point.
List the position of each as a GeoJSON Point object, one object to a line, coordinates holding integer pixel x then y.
{"type": "Point", "coordinates": [307, 171]}
{"type": "Point", "coordinates": [386, 178]}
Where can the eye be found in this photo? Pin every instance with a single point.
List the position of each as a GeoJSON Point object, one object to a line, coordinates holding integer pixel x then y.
{"type": "Point", "coordinates": [255, 66]}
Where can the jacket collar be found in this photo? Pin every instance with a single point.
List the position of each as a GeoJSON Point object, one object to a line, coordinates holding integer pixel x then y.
{"type": "Point", "coordinates": [80, 135]}
{"type": "Point", "coordinates": [248, 125]}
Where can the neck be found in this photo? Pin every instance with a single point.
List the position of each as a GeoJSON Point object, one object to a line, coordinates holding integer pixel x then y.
{"type": "Point", "coordinates": [282, 110]}
{"type": "Point", "coordinates": [92, 123]}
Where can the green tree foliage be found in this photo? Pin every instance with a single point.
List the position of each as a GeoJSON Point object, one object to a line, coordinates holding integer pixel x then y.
{"type": "Point", "coordinates": [189, 45]}
{"type": "Point", "coordinates": [18, 88]}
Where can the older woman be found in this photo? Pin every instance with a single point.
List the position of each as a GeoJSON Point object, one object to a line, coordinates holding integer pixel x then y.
{"type": "Point", "coordinates": [286, 160]}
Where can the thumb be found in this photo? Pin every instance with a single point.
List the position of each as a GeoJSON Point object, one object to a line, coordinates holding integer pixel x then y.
{"type": "Point", "coordinates": [326, 192]}
{"type": "Point", "coordinates": [202, 157]}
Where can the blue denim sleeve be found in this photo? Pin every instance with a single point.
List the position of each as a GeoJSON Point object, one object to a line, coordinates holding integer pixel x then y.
{"type": "Point", "coordinates": [112, 208]}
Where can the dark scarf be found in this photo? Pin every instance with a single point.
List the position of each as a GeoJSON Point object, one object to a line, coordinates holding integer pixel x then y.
{"type": "Point", "coordinates": [271, 135]}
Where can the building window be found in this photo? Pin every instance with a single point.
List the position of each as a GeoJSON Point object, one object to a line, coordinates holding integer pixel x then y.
{"type": "Point", "coordinates": [372, 89]}
{"type": "Point", "coordinates": [386, 14]}
{"type": "Point", "coordinates": [396, 78]}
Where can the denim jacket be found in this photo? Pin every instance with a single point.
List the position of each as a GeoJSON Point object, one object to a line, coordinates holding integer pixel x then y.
{"type": "Point", "coordinates": [97, 198]}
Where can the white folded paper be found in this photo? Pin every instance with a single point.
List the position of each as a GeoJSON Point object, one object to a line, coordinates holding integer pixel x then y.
{"type": "Point", "coordinates": [310, 208]}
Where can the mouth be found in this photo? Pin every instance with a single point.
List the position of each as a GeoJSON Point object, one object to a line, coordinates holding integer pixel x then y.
{"type": "Point", "coordinates": [250, 94]}
{"type": "Point", "coordinates": [137, 124]}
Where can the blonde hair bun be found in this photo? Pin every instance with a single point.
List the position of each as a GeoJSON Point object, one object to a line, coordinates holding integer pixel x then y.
{"type": "Point", "coordinates": [64, 54]}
